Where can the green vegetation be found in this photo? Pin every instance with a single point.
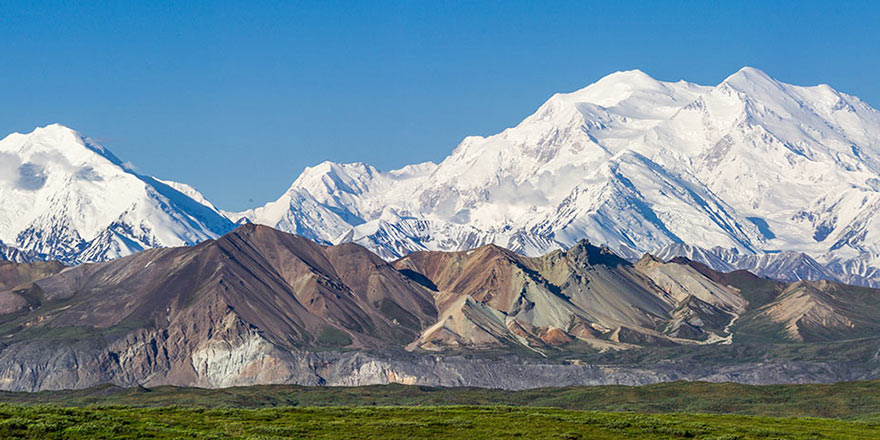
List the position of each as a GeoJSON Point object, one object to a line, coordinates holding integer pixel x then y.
{"type": "Point", "coordinates": [662, 411]}
{"type": "Point", "coordinates": [853, 353]}
{"type": "Point", "coordinates": [758, 291]}
{"type": "Point", "coordinates": [331, 336]}
{"type": "Point", "coordinates": [50, 422]}
{"type": "Point", "coordinates": [851, 400]}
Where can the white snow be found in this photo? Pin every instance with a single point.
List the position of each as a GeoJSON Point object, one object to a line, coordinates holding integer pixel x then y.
{"type": "Point", "coordinates": [751, 164]}
{"type": "Point", "coordinates": [68, 198]}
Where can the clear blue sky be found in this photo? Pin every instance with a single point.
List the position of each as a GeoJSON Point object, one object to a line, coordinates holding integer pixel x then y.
{"type": "Point", "coordinates": [237, 98]}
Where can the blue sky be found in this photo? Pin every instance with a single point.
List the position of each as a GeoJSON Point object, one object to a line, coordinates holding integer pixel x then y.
{"type": "Point", "coordinates": [237, 98]}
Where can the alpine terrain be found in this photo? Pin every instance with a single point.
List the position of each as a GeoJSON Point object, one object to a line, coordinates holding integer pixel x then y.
{"type": "Point", "coordinates": [750, 174]}
{"type": "Point", "coordinates": [259, 306]}
{"type": "Point", "coordinates": [66, 198]}
{"type": "Point", "coordinates": [632, 232]}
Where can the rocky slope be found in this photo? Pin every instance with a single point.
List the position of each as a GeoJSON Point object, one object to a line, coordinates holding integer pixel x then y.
{"type": "Point", "coordinates": [262, 306]}
{"type": "Point", "coordinates": [490, 296]}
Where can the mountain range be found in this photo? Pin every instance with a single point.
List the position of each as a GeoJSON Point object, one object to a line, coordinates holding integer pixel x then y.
{"type": "Point", "coordinates": [752, 174]}
{"type": "Point", "coordinates": [258, 306]}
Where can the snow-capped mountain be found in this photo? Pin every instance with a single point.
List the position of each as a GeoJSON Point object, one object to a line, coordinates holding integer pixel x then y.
{"type": "Point", "coordinates": [753, 165]}
{"type": "Point", "coordinates": [749, 174]}
{"type": "Point", "coordinates": [68, 198]}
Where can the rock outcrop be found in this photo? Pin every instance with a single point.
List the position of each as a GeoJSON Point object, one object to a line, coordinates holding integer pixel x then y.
{"type": "Point", "coordinates": [260, 306]}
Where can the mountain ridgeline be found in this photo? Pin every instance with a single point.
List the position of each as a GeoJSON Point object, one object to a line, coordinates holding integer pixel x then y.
{"type": "Point", "coordinates": [260, 306]}
{"type": "Point", "coordinates": [751, 173]}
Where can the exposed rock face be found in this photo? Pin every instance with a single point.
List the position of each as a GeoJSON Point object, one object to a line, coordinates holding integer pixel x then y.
{"type": "Point", "coordinates": [32, 368]}
{"type": "Point", "coordinates": [15, 275]}
{"type": "Point", "coordinates": [492, 296]}
{"type": "Point", "coordinates": [682, 281]}
{"type": "Point", "coordinates": [820, 310]}
{"type": "Point", "coordinates": [695, 319]}
{"type": "Point", "coordinates": [261, 306]}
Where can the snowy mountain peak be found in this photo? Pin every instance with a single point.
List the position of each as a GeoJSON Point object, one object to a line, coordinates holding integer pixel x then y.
{"type": "Point", "coordinates": [630, 79]}
{"type": "Point", "coordinates": [331, 176]}
{"type": "Point", "coordinates": [757, 87]}
{"type": "Point", "coordinates": [612, 89]}
{"type": "Point", "coordinates": [751, 167]}
{"type": "Point", "coordinates": [58, 139]}
{"type": "Point", "coordinates": [71, 199]}
{"type": "Point", "coordinates": [750, 75]}
{"type": "Point", "coordinates": [632, 76]}
{"type": "Point", "coordinates": [750, 164]}
{"type": "Point", "coordinates": [54, 131]}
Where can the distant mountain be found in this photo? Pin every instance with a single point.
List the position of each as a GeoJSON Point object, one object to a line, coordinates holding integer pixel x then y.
{"type": "Point", "coordinates": [780, 179]}
{"type": "Point", "coordinates": [68, 198]}
{"type": "Point", "coordinates": [262, 306]}
{"type": "Point", "coordinates": [786, 265]}
{"type": "Point", "coordinates": [9, 253]}
{"type": "Point", "coordinates": [751, 164]}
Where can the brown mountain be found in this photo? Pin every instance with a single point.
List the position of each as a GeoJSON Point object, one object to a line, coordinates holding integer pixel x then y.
{"type": "Point", "coordinates": [295, 291]}
{"type": "Point", "coordinates": [16, 281]}
{"type": "Point", "coordinates": [801, 311]}
{"type": "Point", "coordinates": [251, 292]}
{"type": "Point", "coordinates": [263, 306]}
{"type": "Point", "coordinates": [491, 296]}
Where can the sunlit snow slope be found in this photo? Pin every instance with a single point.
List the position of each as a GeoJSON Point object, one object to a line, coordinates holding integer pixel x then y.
{"type": "Point", "coordinates": [749, 174]}
{"type": "Point", "coordinates": [752, 166]}
{"type": "Point", "coordinates": [65, 197]}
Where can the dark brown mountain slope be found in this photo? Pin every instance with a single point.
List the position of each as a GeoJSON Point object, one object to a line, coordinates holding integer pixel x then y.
{"type": "Point", "coordinates": [291, 288]}
{"type": "Point", "coordinates": [15, 283]}
{"type": "Point", "coordinates": [257, 288]}
{"type": "Point", "coordinates": [262, 306]}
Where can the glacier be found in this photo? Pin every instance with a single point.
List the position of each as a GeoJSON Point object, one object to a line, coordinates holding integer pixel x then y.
{"type": "Point", "coordinates": [749, 167]}
{"type": "Point", "coordinates": [64, 197]}
{"type": "Point", "coordinates": [751, 173]}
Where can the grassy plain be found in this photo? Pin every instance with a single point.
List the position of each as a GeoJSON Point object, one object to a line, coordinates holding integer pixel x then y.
{"type": "Point", "coordinates": [663, 411]}
{"type": "Point", "coordinates": [472, 423]}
